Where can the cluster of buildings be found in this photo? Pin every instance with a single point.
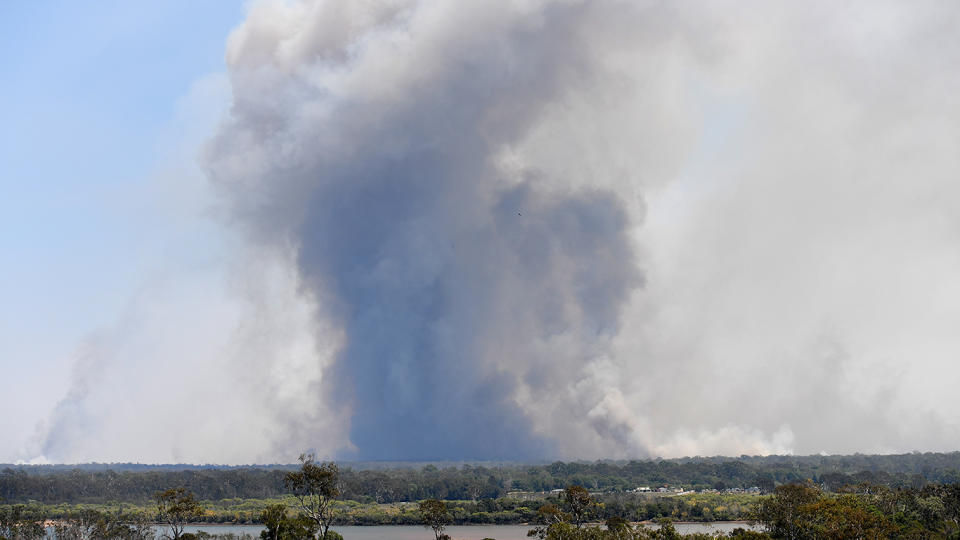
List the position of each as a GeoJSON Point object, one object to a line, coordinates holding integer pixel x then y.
{"type": "Point", "coordinates": [662, 490]}
{"type": "Point", "coordinates": [665, 490]}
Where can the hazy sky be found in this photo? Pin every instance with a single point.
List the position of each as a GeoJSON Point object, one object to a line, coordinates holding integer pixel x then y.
{"type": "Point", "coordinates": [510, 230]}
{"type": "Point", "coordinates": [104, 107]}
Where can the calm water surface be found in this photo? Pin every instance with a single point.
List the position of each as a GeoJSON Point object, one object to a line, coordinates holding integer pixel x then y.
{"type": "Point", "coordinates": [470, 532]}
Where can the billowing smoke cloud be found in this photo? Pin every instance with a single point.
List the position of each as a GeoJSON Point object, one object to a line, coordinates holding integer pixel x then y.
{"type": "Point", "coordinates": [573, 229]}
{"type": "Point", "coordinates": [465, 186]}
{"type": "Point", "coordinates": [460, 285]}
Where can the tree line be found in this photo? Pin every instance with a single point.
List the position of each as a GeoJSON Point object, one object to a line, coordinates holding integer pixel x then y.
{"type": "Point", "coordinates": [796, 511]}
{"type": "Point", "coordinates": [315, 486]}
{"type": "Point", "coordinates": [477, 482]}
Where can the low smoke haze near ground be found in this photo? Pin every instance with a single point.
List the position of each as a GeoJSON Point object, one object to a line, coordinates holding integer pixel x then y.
{"type": "Point", "coordinates": [529, 229]}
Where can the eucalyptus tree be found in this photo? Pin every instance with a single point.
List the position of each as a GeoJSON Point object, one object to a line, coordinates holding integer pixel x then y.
{"type": "Point", "coordinates": [176, 508]}
{"type": "Point", "coordinates": [579, 504]}
{"type": "Point", "coordinates": [316, 487]}
{"type": "Point", "coordinates": [435, 515]}
{"type": "Point", "coordinates": [280, 526]}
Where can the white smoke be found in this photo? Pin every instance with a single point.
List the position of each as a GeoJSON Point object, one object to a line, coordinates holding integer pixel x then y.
{"type": "Point", "coordinates": [793, 159]}
{"type": "Point", "coordinates": [786, 174]}
{"type": "Point", "coordinates": [214, 359]}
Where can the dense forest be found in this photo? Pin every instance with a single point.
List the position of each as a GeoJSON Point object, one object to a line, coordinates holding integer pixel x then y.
{"type": "Point", "coordinates": [378, 483]}
{"type": "Point", "coordinates": [910, 500]}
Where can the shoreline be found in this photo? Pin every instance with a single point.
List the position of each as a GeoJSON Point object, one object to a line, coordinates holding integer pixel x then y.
{"type": "Point", "coordinates": [647, 522]}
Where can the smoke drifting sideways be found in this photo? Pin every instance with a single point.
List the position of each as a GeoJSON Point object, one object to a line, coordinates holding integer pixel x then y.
{"type": "Point", "coordinates": [547, 229]}
{"type": "Point", "coordinates": [607, 229]}
{"type": "Point", "coordinates": [460, 286]}
{"type": "Point", "coordinates": [212, 358]}
{"type": "Point", "coordinates": [516, 230]}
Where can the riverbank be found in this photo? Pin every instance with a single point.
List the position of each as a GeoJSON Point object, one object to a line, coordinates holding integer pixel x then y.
{"type": "Point", "coordinates": [456, 532]}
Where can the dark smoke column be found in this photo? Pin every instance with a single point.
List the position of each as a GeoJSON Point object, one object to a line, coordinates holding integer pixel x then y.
{"type": "Point", "coordinates": [368, 144]}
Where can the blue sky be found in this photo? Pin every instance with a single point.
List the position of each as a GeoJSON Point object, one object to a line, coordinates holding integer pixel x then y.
{"type": "Point", "coordinates": [96, 98]}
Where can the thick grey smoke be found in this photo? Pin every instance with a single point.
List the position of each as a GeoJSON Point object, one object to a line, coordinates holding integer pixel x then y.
{"type": "Point", "coordinates": [452, 278]}
{"type": "Point", "coordinates": [575, 229]}
{"type": "Point", "coordinates": [466, 187]}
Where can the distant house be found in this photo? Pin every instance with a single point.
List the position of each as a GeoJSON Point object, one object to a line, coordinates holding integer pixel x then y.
{"type": "Point", "coordinates": [641, 489]}
{"type": "Point", "coordinates": [523, 495]}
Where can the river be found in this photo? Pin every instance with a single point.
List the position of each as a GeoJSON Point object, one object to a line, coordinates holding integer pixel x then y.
{"type": "Point", "coordinates": [465, 532]}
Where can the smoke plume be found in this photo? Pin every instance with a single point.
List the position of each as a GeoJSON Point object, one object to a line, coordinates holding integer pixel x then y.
{"type": "Point", "coordinates": [466, 187]}
{"type": "Point", "coordinates": [462, 287]}
{"type": "Point", "coordinates": [575, 229]}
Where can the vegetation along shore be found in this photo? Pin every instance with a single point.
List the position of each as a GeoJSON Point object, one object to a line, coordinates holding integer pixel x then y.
{"type": "Point", "coordinates": [904, 496]}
